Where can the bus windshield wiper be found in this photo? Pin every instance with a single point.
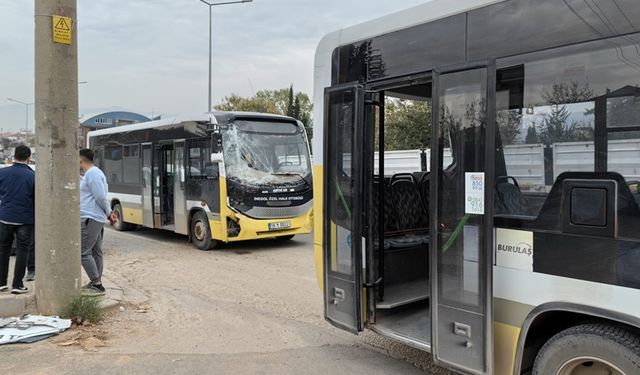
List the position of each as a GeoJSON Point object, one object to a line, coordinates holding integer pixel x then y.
{"type": "Point", "coordinates": [287, 174]}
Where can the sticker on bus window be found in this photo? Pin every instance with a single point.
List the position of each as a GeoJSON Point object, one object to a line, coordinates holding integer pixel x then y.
{"type": "Point", "coordinates": [474, 193]}
{"type": "Point", "coordinates": [514, 249]}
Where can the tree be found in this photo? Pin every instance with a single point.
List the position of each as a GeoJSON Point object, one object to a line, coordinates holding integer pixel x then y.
{"type": "Point", "coordinates": [555, 128]}
{"type": "Point", "coordinates": [532, 136]}
{"type": "Point", "coordinates": [407, 124]}
{"type": "Point", "coordinates": [509, 125]}
{"type": "Point", "coordinates": [236, 103]}
{"type": "Point", "coordinates": [567, 92]}
{"type": "Point", "coordinates": [280, 102]}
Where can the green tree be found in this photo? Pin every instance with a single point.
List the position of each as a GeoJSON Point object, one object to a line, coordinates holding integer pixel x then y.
{"type": "Point", "coordinates": [509, 125]}
{"type": "Point", "coordinates": [532, 136]}
{"type": "Point", "coordinates": [290, 103]}
{"type": "Point", "coordinates": [284, 101]}
{"type": "Point", "coordinates": [407, 124]}
{"type": "Point", "coordinates": [567, 92]}
{"type": "Point", "coordinates": [555, 128]}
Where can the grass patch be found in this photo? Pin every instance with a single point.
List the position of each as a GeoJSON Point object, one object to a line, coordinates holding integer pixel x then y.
{"type": "Point", "coordinates": [83, 309]}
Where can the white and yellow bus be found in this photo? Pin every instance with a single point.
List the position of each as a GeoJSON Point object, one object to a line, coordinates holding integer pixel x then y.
{"type": "Point", "coordinates": [516, 249]}
{"type": "Point", "coordinates": [218, 177]}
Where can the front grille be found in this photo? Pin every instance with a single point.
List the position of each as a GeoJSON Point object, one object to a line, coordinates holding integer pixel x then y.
{"type": "Point", "coordinates": [278, 212]}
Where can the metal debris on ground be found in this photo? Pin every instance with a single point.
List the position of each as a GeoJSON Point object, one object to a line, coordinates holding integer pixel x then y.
{"type": "Point", "coordinates": [31, 328]}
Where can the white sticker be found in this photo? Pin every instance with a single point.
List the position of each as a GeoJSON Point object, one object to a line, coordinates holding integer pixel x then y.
{"type": "Point", "coordinates": [474, 193]}
{"type": "Point", "coordinates": [514, 249]}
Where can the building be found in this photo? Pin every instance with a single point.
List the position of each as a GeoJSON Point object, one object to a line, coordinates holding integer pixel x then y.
{"type": "Point", "coordinates": [107, 120]}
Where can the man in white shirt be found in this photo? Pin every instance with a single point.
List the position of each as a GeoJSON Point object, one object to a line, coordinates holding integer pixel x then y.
{"type": "Point", "coordinates": [95, 212]}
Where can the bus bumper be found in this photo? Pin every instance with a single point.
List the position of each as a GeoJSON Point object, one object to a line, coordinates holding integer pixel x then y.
{"type": "Point", "coordinates": [252, 229]}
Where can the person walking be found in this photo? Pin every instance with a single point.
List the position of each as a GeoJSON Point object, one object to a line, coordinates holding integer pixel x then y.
{"type": "Point", "coordinates": [95, 212]}
{"type": "Point", "coordinates": [17, 218]}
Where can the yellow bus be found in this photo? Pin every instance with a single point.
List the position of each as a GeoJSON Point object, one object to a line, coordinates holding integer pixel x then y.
{"type": "Point", "coordinates": [218, 177]}
{"type": "Point", "coordinates": [516, 248]}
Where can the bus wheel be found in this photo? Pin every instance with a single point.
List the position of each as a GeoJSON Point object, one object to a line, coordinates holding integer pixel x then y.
{"type": "Point", "coordinates": [201, 232]}
{"type": "Point", "coordinates": [285, 238]}
{"type": "Point", "coordinates": [120, 225]}
{"type": "Point", "coordinates": [590, 349]}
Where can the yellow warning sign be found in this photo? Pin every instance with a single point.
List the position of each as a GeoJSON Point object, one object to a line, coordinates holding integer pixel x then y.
{"type": "Point", "coordinates": [62, 27]}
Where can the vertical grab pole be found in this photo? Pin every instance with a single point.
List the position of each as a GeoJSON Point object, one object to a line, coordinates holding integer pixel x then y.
{"type": "Point", "coordinates": [381, 197]}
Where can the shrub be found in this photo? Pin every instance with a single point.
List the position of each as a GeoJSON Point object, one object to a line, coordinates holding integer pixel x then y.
{"type": "Point", "coordinates": [82, 309]}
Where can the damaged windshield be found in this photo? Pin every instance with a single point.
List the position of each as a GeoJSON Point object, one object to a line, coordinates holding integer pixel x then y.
{"type": "Point", "coordinates": [266, 153]}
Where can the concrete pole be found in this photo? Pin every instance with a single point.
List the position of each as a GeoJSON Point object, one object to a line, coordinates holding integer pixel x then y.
{"type": "Point", "coordinates": [57, 171]}
{"type": "Point", "coordinates": [209, 109]}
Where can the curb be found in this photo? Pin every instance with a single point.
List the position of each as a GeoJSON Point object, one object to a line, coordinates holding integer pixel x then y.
{"type": "Point", "coordinates": [17, 305]}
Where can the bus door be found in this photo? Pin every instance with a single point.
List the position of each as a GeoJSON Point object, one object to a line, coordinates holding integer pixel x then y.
{"type": "Point", "coordinates": [344, 240]}
{"type": "Point", "coordinates": [179, 196]}
{"type": "Point", "coordinates": [163, 174]}
{"type": "Point", "coordinates": [462, 186]}
{"type": "Point", "coordinates": [147, 185]}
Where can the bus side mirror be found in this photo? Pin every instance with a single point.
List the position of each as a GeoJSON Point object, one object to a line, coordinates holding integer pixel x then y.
{"type": "Point", "coordinates": [216, 143]}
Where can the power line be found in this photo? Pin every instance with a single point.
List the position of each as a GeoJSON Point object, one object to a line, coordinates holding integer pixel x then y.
{"type": "Point", "coordinates": [618, 48]}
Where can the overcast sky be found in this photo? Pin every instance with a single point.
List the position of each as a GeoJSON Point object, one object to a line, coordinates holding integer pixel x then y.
{"type": "Point", "coordinates": [151, 55]}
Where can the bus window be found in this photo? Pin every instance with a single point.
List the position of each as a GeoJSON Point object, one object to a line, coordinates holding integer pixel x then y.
{"type": "Point", "coordinates": [131, 168]}
{"type": "Point", "coordinates": [113, 164]}
{"type": "Point", "coordinates": [572, 109]}
{"type": "Point", "coordinates": [200, 164]}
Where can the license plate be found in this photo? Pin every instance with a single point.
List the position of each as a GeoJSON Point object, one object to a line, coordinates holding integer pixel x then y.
{"type": "Point", "coordinates": [279, 226]}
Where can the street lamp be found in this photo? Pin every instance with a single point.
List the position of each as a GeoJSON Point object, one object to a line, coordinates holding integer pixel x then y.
{"type": "Point", "coordinates": [26, 118]}
{"type": "Point", "coordinates": [211, 5]}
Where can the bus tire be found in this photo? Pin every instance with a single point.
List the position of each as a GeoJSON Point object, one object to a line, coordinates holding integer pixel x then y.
{"type": "Point", "coordinates": [120, 225]}
{"type": "Point", "coordinates": [201, 232]}
{"type": "Point", "coordinates": [614, 350]}
{"type": "Point", "coordinates": [285, 238]}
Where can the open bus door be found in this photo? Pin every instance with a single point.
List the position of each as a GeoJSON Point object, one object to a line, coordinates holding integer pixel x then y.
{"type": "Point", "coordinates": [344, 236]}
{"type": "Point", "coordinates": [464, 121]}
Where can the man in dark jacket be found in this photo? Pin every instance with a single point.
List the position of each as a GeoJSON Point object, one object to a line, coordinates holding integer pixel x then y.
{"type": "Point", "coordinates": [17, 197]}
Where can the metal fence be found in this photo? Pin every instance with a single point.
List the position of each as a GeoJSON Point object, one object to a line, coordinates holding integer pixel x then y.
{"type": "Point", "coordinates": [527, 163]}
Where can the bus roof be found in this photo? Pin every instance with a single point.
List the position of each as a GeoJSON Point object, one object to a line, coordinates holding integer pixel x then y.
{"type": "Point", "coordinates": [212, 117]}
{"type": "Point", "coordinates": [430, 11]}
{"type": "Point", "coordinates": [421, 14]}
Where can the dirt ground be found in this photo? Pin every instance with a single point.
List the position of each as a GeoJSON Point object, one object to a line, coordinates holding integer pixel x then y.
{"type": "Point", "coordinates": [250, 308]}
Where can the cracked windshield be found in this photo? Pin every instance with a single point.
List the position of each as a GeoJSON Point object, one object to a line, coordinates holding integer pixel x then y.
{"type": "Point", "coordinates": [266, 153]}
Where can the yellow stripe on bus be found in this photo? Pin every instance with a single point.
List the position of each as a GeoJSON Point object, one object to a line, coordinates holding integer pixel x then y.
{"type": "Point", "coordinates": [132, 215]}
{"type": "Point", "coordinates": [504, 347]}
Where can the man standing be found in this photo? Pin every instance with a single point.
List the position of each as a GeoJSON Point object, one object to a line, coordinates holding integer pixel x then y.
{"type": "Point", "coordinates": [17, 197]}
{"type": "Point", "coordinates": [95, 211]}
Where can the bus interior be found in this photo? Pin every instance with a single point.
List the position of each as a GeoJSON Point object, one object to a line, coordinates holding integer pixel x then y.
{"type": "Point", "coordinates": [164, 186]}
{"type": "Point", "coordinates": [400, 222]}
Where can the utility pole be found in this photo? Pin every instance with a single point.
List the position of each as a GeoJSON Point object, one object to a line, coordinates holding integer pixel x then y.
{"type": "Point", "coordinates": [57, 181]}
{"type": "Point", "coordinates": [211, 5]}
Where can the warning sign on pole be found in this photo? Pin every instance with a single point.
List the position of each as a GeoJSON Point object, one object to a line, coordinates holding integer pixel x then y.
{"type": "Point", "coordinates": [62, 27]}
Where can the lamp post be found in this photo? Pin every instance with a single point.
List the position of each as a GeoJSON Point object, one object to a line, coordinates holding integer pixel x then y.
{"type": "Point", "coordinates": [26, 113]}
{"type": "Point", "coordinates": [211, 5]}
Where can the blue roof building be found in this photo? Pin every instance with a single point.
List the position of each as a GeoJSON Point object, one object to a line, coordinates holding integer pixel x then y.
{"type": "Point", "coordinates": [106, 120]}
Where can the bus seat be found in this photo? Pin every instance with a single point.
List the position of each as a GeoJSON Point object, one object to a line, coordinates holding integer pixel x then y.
{"type": "Point", "coordinates": [388, 213]}
{"type": "Point", "coordinates": [424, 188]}
{"type": "Point", "coordinates": [627, 208]}
{"type": "Point", "coordinates": [410, 211]}
{"type": "Point", "coordinates": [509, 199]}
{"type": "Point", "coordinates": [411, 217]}
{"type": "Point", "coordinates": [406, 223]}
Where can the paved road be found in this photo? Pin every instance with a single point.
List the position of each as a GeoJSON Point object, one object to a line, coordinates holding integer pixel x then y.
{"type": "Point", "coordinates": [251, 308]}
